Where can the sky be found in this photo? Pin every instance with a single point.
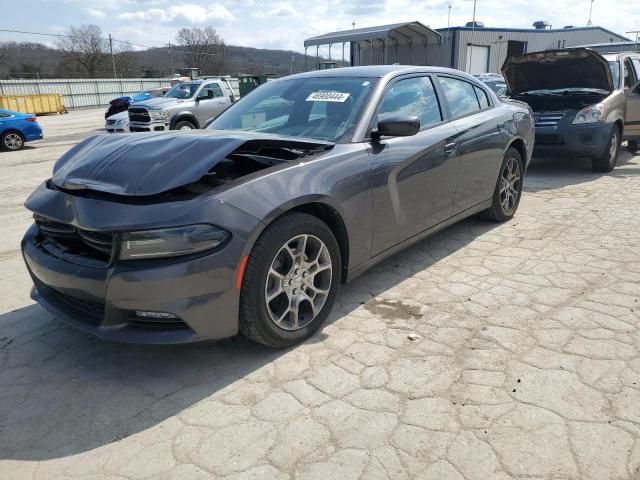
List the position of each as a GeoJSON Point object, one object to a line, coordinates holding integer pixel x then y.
{"type": "Point", "coordinates": [285, 24]}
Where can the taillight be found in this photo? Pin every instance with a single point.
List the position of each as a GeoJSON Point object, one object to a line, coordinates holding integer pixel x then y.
{"type": "Point", "coordinates": [31, 119]}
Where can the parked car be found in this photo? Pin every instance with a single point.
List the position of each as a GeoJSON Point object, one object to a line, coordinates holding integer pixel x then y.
{"type": "Point", "coordinates": [18, 128]}
{"type": "Point", "coordinates": [494, 81]}
{"type": "Point", "coordinates": [122, 104]}
{"type": "Point", "coordinates": [583, 106]}
{"type": "Point", "coordinates": [185, 107]}
{"type": "Point", "coordinates": [117, 123]}
{"type": "Point", "coordinates": [251, 226]}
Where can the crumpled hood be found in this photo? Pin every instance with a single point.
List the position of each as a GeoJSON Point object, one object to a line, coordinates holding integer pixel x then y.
{"type": "Point", "coordinates": [159, 103]}
{"type": "Point", "coordinates": [141, 164]}
{"type": "Point", "coordinates": [557, 69]}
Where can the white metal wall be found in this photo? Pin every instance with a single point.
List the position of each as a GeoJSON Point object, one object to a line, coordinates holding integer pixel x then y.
{"type": "Point", "coordinates": [82, 93]}
{"type": "Point", "coordinates": [536, 41]}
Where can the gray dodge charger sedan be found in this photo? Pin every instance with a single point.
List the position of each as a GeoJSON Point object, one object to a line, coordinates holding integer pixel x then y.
{"type": "Point", "coordinates": [252, 224]}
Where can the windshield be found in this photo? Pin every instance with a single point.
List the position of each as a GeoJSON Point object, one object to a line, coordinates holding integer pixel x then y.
{"type": "Point", "coordinates": [614, 66]}
{"type": "Point", "coordinates": [182, 90]}
{"type": "Point", "coordinates": [322, 108]}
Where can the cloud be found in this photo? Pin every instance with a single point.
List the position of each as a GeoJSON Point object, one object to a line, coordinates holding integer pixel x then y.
{"type": "Point", "coordinates": [182, 13]}
{"type": "Point", "coordinates": [92, 12]}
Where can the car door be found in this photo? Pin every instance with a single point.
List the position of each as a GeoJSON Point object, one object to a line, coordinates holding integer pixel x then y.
{"type": "Point", "coordinates": [480, 140]}
{"type": "Point", "coordinates": [412, 178]}
{"type": "Point", "coordinates": [211, 101]}
{"type": "Point", "coordinates": [632, 94]}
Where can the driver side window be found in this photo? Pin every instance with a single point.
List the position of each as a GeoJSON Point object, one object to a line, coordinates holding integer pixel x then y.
{"type": "Point", "coordinates": [412, 97]}
{"type": "Point", "coordinates": [211, 90]}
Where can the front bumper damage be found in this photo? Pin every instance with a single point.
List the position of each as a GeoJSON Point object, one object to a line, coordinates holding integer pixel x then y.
{"type": "Point", "coordinates": [104, 296]}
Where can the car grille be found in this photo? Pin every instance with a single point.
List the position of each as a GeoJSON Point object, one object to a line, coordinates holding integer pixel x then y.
{"type": "Point", "coordinates": [548, 119]}
{"type": "Point", "coordinates": [549, 139]}
{"type": "Point", "coordinates": [95, 310]}
{"type": "Point", "coordinates": [95, 244]}
{"type": "Point", "coordinates": [111, 122]}
{"type": "Point", "coordinates": [137, 114]}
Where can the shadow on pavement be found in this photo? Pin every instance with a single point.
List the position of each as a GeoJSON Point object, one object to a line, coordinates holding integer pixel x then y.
{"type": "Point", "coordinates": [552, 173]}
{"type": "Point", "coordinates": [63, 392]}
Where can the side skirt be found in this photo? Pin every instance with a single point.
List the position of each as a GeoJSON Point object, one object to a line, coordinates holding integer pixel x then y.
{"type": "Point", "coordinates": [360, 269]}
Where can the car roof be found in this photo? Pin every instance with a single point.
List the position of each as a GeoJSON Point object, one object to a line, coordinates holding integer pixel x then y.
{"type": "Point", "coordinates": [616, 55]}
{"type": "Point", "coordinates": [378, 71]}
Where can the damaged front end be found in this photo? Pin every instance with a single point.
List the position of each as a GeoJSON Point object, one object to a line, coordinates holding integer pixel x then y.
{"type": "Point", "coordinates": [180, 163]}
{"type": "Point", "coordinates": [126, 242]}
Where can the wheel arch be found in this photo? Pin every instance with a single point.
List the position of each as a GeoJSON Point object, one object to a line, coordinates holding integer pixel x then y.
{"type": "Point", "coordinates": [188, 116]}
{"type": "Point", "coordinates": [322, 208]}
{"type": "Point", "coordinates": [520, 146]}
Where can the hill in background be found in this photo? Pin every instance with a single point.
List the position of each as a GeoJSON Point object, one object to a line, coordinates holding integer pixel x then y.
{"type": "Point", "coordinates": [36, 60]}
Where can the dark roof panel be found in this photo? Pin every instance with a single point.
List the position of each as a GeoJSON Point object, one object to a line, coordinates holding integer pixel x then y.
{"type": "Point", "coordinates": [404, 30]}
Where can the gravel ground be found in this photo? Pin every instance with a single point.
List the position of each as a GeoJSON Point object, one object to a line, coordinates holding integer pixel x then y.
{"type": "Point", "coordinates": [486, 352]}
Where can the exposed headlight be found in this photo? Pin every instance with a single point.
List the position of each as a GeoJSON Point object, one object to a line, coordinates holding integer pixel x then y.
{"type": "Point", "coordinates": [170, 242]}
{"type": "Point", "coordinates": [159, 115]}
{"type": "Point", "coordinates": [592, 114]}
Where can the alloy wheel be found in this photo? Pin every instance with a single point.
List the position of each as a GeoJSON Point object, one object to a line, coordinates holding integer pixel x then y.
{"type": "Point", "coordinates": [186, 127]}
{"type": "Point", "coordinates": [298, 282]}
{"type": "Point", "coordinates": [613, 147]}
{"type": "Point", "coordinates": [13, 141]}
{"type": "Point", "coordinates": [510, 179]}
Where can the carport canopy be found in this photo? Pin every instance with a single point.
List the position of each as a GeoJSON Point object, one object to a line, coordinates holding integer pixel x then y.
{"type": "Point", "coordinates": [408, 33]}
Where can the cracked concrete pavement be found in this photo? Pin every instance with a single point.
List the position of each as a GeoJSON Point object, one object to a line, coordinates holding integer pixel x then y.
{"type": "Point", "coordinates": [486, 352]}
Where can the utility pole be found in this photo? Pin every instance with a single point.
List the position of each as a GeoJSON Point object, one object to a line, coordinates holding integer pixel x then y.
{"type": "Point", "coordinates": [589, 24]}
{"type": "Point", "coordinates": [473, 35]}
{"type": "Point", "coordinates": [637, 34]}
{"type": "Point", "coordinates": [293, 59]}
{"type": "Point", "coordinates": [170, 59]}
{"type": "Point", "coordinates": [113, 60]}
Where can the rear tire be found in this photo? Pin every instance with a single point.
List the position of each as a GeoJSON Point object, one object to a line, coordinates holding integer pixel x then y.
{"type": "Point", "coordinates": [11, 141]}
{"type": "Point", "coordinates": [506, 196]}
{"type": "Point", "coordinates": [607, 161]}
{"type": "Point", "coordinates": [297, 256]}
{"type": "Point", "coordinates": [632, 146]}
{"type": "Point", "coordinates": [185, 125]}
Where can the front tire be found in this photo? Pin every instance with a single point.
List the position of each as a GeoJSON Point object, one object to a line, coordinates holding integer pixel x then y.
{"type": "Point", "coordinates": [607, 161]}
{"type": "Point", "coordinates": [185, 125]}
{"type": "Point", "coordinates": [290, 281]}
{"type": "Point", "coordinates": [12, 141]}
{"type": "Point", "coordinates": [506, 196]}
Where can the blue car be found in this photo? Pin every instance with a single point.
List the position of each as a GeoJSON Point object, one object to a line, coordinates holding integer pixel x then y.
{"type": "Point", "coordinates": [17, 128]}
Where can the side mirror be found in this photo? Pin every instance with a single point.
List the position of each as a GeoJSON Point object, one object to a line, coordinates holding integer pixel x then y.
{"type": "Point", "coordinates": [404, 126]}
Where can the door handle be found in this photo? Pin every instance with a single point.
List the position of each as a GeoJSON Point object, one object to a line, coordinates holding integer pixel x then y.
{"type": "Point", "coordinates": [450, 149]}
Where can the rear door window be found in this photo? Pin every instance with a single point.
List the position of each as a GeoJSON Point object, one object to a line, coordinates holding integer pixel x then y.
{"type": "Point", "coordinates": [629, 74]}
{"type": "Point", "coordinates": [636, 65]}
{"type": "Point", "coordinates": [482, 98]}
{"type": "Point", "coordinates": [460, 95]}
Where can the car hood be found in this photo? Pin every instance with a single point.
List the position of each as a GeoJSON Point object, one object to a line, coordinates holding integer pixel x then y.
{"type": "Point", "coordinates": [557, 69]}
{"type": "Point", "coordinates": [140, 164]}
{"type": "Point", "coordinates": [119, 116]}
{"type": "Point", "coordinates": [160, 102]}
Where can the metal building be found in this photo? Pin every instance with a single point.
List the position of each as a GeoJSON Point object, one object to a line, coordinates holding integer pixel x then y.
{"type": "Point", "coordinates": [474, 49]}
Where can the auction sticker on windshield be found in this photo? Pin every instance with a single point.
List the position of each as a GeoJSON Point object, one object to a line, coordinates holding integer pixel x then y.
{"type": "Point", "coordinates": [328, 97]}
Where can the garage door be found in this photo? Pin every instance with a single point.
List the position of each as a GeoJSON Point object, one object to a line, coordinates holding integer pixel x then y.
{"type": "Point", "coordinates": [477, 59]}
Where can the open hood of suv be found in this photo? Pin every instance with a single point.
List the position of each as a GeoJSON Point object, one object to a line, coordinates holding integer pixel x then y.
{"type": "Point", "coordinates": [150, 163]}
{"type": "Point", "coordinates": [557, 69]}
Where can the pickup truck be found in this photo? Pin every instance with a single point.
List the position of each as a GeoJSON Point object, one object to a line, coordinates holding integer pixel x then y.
{"type": "Point", "coordinates": [186, 106]}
